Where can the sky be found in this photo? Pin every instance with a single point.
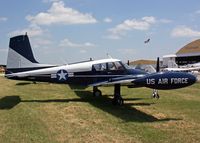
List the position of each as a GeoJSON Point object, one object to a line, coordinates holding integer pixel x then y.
{"type": "Point", "coordinates": [66, 31]}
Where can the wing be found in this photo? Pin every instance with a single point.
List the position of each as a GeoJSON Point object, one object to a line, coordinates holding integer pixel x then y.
{"type": "Point", "coordinates": [125, 80]}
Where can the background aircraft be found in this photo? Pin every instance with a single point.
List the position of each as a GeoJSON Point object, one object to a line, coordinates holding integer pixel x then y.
{"type": "Point", "coordinates": [147, 41]}
{"type": "Point", "coordinates": [194, 65]}
{"type": "Point", "coordinates": [172, 66]}
{"type": "Point", "coordinates": [21, 65]}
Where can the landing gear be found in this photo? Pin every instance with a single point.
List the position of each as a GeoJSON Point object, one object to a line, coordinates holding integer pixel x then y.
{"type": "Point", "coordinates": [96, 92]}
{"type": "Point", "coordinates": [117, 100]}
{"type": "Point", "coordinates": [155, 94]}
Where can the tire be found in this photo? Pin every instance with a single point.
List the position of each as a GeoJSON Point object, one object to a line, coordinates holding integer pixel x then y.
{"type": "Point", "coordinates": [118, 101]}
{"type": "Point", "coordinates": [97, 93]}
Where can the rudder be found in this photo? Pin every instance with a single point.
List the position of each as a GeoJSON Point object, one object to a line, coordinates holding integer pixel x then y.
{"type": "Point", "coordinates": [20, 55]}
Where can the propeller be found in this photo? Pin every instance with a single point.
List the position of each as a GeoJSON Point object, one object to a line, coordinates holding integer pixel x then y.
{"type": "Point", "coordinates": [155, 91]}
{"type": "Point", "coordinates": [158, 65]}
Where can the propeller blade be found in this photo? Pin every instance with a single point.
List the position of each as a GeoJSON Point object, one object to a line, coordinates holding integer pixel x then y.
{"type": "Point", "coordinates": [158, 65]}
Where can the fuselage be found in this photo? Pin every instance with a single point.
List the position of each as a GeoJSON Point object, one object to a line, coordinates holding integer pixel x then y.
{"type": "Point", "coordinates": [83, 73]}
{"type": "Point", "coordinates": [21, 65]}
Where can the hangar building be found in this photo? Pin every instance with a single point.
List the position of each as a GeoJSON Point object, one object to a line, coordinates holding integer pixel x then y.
{"type": "Point", "coordinates": [189, 54]}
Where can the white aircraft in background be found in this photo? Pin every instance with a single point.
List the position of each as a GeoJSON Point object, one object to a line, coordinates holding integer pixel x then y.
{"type": "Point", "coordinates": [194, 65]}
{"type": "Point", "coordinates": [193, 68]}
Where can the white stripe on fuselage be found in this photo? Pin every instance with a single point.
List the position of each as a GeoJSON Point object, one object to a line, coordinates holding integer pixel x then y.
{"type": "Point", "coordinates": [73, 68]}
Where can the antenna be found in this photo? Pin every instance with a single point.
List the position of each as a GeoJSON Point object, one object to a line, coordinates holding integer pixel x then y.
{"type": "Point", "coordinates": [24, 36]}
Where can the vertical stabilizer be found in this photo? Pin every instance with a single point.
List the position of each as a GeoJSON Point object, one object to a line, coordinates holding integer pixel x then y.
{"type": "Point", "coordinates": [20, 54]}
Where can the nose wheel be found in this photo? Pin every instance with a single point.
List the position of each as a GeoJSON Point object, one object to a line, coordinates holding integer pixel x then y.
{"type": "Point", "coordinates": [155, 94]}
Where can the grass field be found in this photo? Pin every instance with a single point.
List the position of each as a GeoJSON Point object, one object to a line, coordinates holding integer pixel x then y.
{"type": "Point", "coordinates": [42, 113]}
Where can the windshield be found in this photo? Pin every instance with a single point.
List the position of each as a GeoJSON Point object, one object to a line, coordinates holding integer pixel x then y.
{"type": "Point", "coordinates": [111, 66]}
{"type": "Point", "coordinates": [126, 66]}
{"type": "Point", "coordinates": [115, 66]}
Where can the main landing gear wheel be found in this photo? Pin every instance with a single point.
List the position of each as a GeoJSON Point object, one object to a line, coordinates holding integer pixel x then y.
{"type": "Point", "coordinates": [155, 94]}
{"type": "Point", "coordinates": [96, 92]}
{"type": "Point", "coordinates": [117, 100]}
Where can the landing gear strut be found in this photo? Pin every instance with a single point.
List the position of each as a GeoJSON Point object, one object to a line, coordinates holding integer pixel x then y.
{"type": "Point", "coordinates": [155, 94]}
{"type": "Point", "coordinates": [96, 92]}
{"type": "Point", "coordinates": [117, 100]}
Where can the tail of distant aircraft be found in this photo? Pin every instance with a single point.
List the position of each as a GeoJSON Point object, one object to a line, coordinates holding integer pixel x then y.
{"type": "Point", "coordinates": [20, 56]}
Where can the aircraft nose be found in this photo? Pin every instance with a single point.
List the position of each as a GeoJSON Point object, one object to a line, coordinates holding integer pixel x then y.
{"type": "Point", "coordinates": [196, 78]}
{"type": "Point", "coordinates": [187, 79]}
{"type": "Point", "coordinates": [166, 80]}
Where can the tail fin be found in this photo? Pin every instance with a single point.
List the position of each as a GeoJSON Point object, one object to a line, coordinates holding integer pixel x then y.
{"type": "Point", "coordinates": [20, 56]}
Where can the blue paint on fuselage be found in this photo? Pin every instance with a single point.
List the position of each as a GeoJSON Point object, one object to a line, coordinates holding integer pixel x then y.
{"type": "Point", "coordinates": [87, 77]}
{"type": "Point", "coordinates": [160, 80]}
{"type": "Point", "coordinates": [136, 72]}
{"type": "Point", "coordinates": [166, 80]}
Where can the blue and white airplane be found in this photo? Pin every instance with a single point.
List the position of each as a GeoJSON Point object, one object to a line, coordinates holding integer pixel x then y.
{"type": "Point", "coordinates": [21, 65]}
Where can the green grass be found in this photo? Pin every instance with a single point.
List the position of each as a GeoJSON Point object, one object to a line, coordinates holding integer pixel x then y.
{"type": "Point", "coordinates": [55, 113]}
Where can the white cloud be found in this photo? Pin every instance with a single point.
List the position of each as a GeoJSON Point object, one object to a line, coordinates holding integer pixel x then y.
{"type": "Point", "coordinates": [107, 20]}
{"type": "Point", "coordinates": [67, 43]}
{"type": "Point", "coordinates": [59, 14]}
{"type": "Point", "coordinates": [165, 21]}
{"type": "Point", "coordinates": [39, 37]}
{"type": "Point", "coordinates": [41, 42]}
{"type": "Point", "coordinates": [149, 19]}
{"type": "Point", "coordinates": [183, 31]}
{"type": "Point", "coordinates": [128, 25]}
{"type": "Point", "coordinates": [3, 19]}
{"type": "Point", "coordinates": [46, 1]}
{"type": "Point", "coordinates": [32, 31]}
